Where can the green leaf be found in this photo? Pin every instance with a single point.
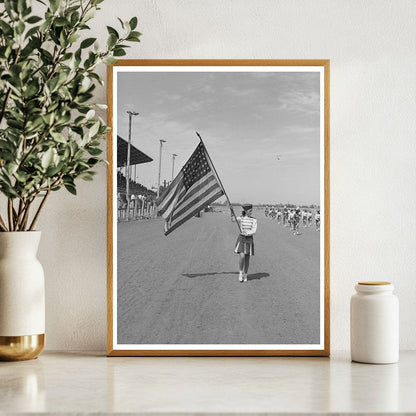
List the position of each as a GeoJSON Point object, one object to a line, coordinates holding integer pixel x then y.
{"type": "Point", "coordinates": [64, 93]}
{"type": "Point", "coordinates": [119, 52]}
{"type": "Point", "coordinates": [31, 90]}
{"type": "Point", "coordinates": [10, 168]}
{"type": "Point", "coordinates": [73, 38]}
{"type": "Point", "coordinates": [89, 15]}
{"type": "Point", "coordinates": [121, 22]}
{"type": "Point", "coordinates": [48, 118]}
{"type": "Point", "coordinates": [33, 19]}
{"type": "Point", "coordinates": [82, 98]}
{"type": "Point", "coordinates": [8, 190]}
{"type": "Point", "coordinates": [112, 41]}
{"type": "Point", "coordinates": [80, 120]}
{"type": "Point", "coordinates": [35, 125]}
{"type": "Point", "coordinates": [31, 31]}
{"type": "Point", "coordinates": [92, 161]}
{"type": "Point", "coordinates": [20, 28]}
{"type": "Point", "coordinates": [67, 153]}
{"type": "Point", "coordinates": [21, 6]}
{"type": "Point", "coordinates": [53, 83]}
{"type": "Point", "coordinates": [77, 130]}
{"type": "Point", "coordinates": [60, 138]}
{"type": "Point", "coordinates": [10, 7]}
{"type": "Point", "coordinates": [87, 42]}
{"type": "Point", "coordinates": [46, 56]}
{"type": "Point", "coordinates": [90, 115]}
{"type": "Point", "coordinates": [27, 11]}
{"type": "Point", "coordinates": [70, 188]}
{"type": "Point", "coordinates": [133, 23]}
{"type": "Point", "coordinates": [111, 30]}
{"type": "Point", "coordinates": [134, 37]}
{"type": "Point", "coordinates": [47, 158]}
{"type": "Point", "coordinates": [5, 145]}
{"type": "Point", "coordinates": [78, 154]}
{"type": "Point", "coordinates": [86, 176]}
{"type": "Point", "coordinates": [54, 4]}
{"type": "Point", "coordinates": [82, 166]}
{"type": "Point", "coordinates": [94, 129]}
{"type": "Point", "coordinates": [16, 124]}
{"type": "Point", "coordinates": [110, 60]}
{"type": "Point", "coordinates": [94, 151]}
{"type": "Point", "coordinates": [74, 18]}
{"type": "Point", "coordinates": [52, 171]}
{"type": "Point", "coordinates": [21, 177]}
{"type": "Point", "coordinates": [61, 21]}
{"type": "Point", "coordinates": [96, 77]}
{"type": "Point", "coordinates": [67, 56]}
{"type": "Point", "coordinates": [6, 29]}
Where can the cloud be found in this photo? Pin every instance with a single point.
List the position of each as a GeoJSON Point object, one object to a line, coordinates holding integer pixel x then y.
{"type": "Point", "coordinates": [300, 102]}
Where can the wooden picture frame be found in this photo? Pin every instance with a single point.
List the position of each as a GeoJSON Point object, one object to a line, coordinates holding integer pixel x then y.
{"type": "Point", "coordinates": [151, 307]}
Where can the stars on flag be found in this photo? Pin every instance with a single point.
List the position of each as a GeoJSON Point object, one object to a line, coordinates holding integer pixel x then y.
{"type": "Point", "coordinates": [196, 167]}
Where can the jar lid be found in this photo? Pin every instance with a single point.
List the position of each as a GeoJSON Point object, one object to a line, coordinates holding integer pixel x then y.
{"type": "Point", "coordinates": [373, 287]}
{"type": "Point", "coordinates": [374, 283]}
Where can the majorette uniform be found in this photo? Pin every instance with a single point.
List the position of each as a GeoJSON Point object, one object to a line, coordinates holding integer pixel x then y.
{"type": "Point", "coordinates": [245, 243]}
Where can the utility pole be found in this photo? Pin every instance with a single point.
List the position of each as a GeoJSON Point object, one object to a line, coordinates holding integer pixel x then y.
{"type": "Point", "coordinates": [130, 113]}
{"type": "Point", "coordinates": [160, 166]}
{"type": "Point", "coordinates": [173, 164]}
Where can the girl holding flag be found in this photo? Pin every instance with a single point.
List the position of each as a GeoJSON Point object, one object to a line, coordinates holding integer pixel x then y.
{"type": "Point", "coordinates": [245, 244]}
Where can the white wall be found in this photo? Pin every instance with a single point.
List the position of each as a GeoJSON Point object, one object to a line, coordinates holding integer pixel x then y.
{"type": "Point", "coordinates": [371, 45]}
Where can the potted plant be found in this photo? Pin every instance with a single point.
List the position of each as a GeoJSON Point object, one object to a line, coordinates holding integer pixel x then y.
{"type": "Point", "coordinates": [50, 136]}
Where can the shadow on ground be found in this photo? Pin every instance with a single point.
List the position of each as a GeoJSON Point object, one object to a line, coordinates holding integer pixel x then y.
{"type": "Point", "coordinates": [192, 275]}
{"type": "Point", "coordinates": [257, 276]}
{"type": "Point", "coordinates": [254, 276]}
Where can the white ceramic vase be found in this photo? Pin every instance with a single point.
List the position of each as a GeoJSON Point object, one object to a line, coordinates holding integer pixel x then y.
{"type": "Point", "coordinates": [22, 296]}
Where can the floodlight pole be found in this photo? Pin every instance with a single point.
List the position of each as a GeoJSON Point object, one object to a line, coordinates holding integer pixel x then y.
{"type": "Point", "coordinates": [160, 166]}
{"type": "Point", "coordinates": [130, 113]}
{"type": "Point", "coordinates": [173, 164]}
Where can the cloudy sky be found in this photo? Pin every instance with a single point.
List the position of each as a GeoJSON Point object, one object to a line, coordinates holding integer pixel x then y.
{"type": "Point", "coordinates": [246, 120]}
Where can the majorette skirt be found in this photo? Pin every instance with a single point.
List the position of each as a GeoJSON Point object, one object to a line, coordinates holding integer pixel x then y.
{"type": "Point", "coordinates": [244, 245]}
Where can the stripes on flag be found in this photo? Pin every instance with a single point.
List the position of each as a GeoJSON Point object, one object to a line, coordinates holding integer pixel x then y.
{"type": "Point", "coordinates": [195, 187]}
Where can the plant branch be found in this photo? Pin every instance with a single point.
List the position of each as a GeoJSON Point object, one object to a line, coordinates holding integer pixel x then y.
{"type": "Point", "coordinates": [21, 213]}
{"type": "Point", "coordinates": [18, 215]}
{"type": "Point", "coordinates": [2, 225]}
{"type": "Point", "coordinates": [10, 213]}
{"type": "Point", "coordinates": [26, 216]}
{"type": "Point", "coordinates": [39, 210]}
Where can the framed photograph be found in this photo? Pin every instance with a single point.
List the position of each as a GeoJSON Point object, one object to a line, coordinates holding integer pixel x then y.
{"type": "Point", "coordinates": [218, 208]}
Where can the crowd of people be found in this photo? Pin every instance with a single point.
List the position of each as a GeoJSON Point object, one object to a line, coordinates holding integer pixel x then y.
{"type": "Point", "coordinates": [293, 218]}
{"type": "Point", "coordinates": [142, 199]}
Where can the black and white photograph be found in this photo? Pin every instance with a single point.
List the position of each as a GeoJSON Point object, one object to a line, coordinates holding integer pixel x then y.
{"type": "Point", "coordinates": [218, 210]}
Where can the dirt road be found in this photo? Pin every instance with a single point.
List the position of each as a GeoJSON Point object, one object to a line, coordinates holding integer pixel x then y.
{"type": "Point", "coordinates": [184, 288]}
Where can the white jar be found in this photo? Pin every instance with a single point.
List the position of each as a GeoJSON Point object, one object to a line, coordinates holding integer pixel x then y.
{"type": "Point", "coordinates": [374, 323]}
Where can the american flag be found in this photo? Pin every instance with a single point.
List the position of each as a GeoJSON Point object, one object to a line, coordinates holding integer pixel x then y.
{"type": "Point", "coordinates": [195, 187]}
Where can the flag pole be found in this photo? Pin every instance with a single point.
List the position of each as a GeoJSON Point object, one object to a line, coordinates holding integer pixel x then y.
{"type": "Point", "coordinates": [219, 181]}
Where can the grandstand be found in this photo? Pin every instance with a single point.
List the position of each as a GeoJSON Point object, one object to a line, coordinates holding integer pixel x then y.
{"type": "Point", "coordinates": [142, 201]}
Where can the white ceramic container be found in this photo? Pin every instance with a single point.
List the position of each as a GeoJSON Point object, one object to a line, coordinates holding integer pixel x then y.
{"type": "Point", "coordinates": [22, 296]}
{"type": "Point", "coordinates": [374, 323]}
